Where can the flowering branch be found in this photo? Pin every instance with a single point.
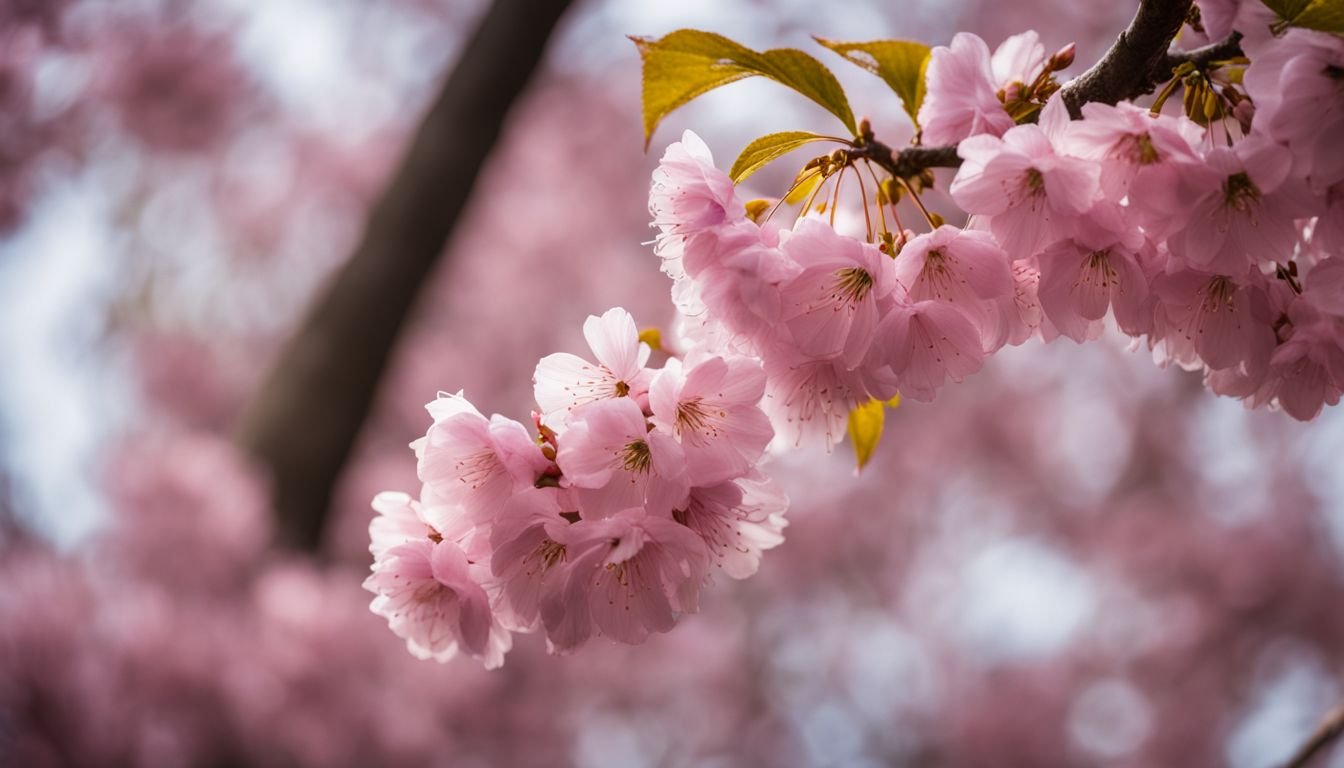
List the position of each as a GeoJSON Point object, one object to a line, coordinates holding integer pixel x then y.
{"type": "Point", "coordinates": [1330, 729]}
{"type": "Point", "coordinates": [1137, 63]}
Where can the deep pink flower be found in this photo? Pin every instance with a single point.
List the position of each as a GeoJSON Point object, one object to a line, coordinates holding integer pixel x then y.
{"type": "Point", "coordinates": [614, 461]}
{"type": "Point", "coordinates": [624, 578]}
{"type": "Point", "coordinates": [563, 382]}
{"type": "Point", "coordinates": [712, 407]}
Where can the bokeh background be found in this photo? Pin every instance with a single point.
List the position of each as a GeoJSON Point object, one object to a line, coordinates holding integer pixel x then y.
{"type": "Point", "coordinates": [1072, 559]}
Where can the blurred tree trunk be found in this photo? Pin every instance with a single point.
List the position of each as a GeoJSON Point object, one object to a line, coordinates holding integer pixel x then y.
{"type": "Point", "coordinates": [303, 422]}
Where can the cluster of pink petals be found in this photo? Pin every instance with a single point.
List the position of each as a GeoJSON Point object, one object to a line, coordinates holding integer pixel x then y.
{"type": "Point", "coordinates": [1208, 245]}
{"type": "Point", "coordinates": [637, 486]}
{"type": "Point", "coordinates": [833, 321]}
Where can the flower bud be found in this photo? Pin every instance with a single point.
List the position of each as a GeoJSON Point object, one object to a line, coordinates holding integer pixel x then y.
{"type": "Point", "coordinates": [1062, 58]}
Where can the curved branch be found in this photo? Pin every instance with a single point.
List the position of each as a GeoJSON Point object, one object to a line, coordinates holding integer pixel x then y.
{"type": "Point", "coordinates": [1134, 65]}
{"type": "Point", "coordinates": [302, 424]}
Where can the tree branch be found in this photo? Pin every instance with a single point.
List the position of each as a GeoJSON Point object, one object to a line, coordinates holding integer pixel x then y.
{"type": "Point", "coordinates": [1134, 64]}
{"type": "Point", "coordinates": [302, 424]}
{"type": "Point", "coordinates": [1330, 729]}
{"type": "Point", "coordinates": [1137, 63]}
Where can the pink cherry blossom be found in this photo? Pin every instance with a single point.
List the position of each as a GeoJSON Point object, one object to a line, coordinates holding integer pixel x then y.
{"type": "Point", "coordinates": [809, 399]}
{"type": "Point", "coordinates": [928, 342]}
{"type": "Point", "coordinates": [961, 98]}
{"type": "Point", "coordinates": [1298, 91]}
{"type": "Point", "coordinates": [1139, 154]}
{"type": "Point", "coordinates": [473, 462]}
{"type": "Point", "coordinates": [712, 408]}
{"type": "Point", "coordinates": [964, 268]}
{"type": "Point", "coordinates": [1030, 192]}
{"type": "Point", "coordinates": [737, 521]}
{"type": "Point", "coordinates": [1097, 269]}
{"type": "Point", "coordinates": [1019, 59]}
{"type": "Point", "coordinates": [564, 382]}
{"type": "Point", "coordinates": [1213, 320]}
{"type": "Point", "coordinates": [737, 272]}
{"type": "Point", "coordinates": [529, 540]}
{"type": "Point", "coordinates": [428, 594]}
{"type": "Point", "coordinates": [624, 578]}
{"type": "Point", "coordinates": [397, 522]}
{"type": "Point", "coordinates": [831, 307]}
{"type": "Point", "coordinates": [614, 460]}
{"type": "Point", "coordinates": [1244, 210]}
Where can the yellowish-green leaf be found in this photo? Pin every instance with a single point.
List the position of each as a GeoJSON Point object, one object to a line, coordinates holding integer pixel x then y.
{"type": "Point", "coordinates": [653, 337]}
{"type": "Point", "coordinates": [1323, 16]}
{"type": "Point", "coordinates": [803, 185]}
{"type": "Point", "coordinates": [901, 63]}
{"type": "Point", "coordinates": [865, 430]}
{"type": "Point", "coordinates": [767, 148]}
{"type": "Point", "coordinates": [1287, 9]}
{"type": "Point", "coordinates": [687, 63]}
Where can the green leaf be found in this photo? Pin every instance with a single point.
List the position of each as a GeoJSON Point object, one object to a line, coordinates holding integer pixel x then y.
{"type": "Point", "coordinates": [865, 430]}
{"type": "Point", "coordinates": [687, 63]}
{"type": "Point", "coordinates": [1320, 15]}
{"type": "Point", "coordinates": [768, 147]}
{"type": "Point", "coordinates": [901, 63]}
{"type": "Point", "coordinates": [1287, 9]}
{"type": "Point", "coordinates": [1323, 16]}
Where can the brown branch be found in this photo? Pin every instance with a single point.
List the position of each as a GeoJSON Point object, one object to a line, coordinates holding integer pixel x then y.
{"type": "Point", "coordinates": [302, 424]}
{"type": "Point", "coordinates": [1329, 730]}
{"type": "Point", "coordinates": [1134, 64]}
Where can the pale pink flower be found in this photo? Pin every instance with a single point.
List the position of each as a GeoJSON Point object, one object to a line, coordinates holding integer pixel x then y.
{"type": "Point", "coordinates": [689, 194]}
{"type": "Point", "coordinates": [1019, 59]}
{"type": "Point", "coordinates": [1096, 269]}
{"type": "Point", "coordinates": [737, 272]}
{"type": "Point", "coordinates": [1243, 211]}
{"type": "Point", "coordinates": [1031, 193]}
{"type": "Point", "coordinates": [1297, 84]}
{"type": "Point", "coordinates": [810, 399]}
{"type": "Point", "coordinates": [1213, 320]}
{"type": "Point", "coordinates": [737, 521]}
{"type": "Point", "coordinates": [961, 99]}
{"type": "Point", "coordinates": [428, 594]}
{"type": "Point", "coordinates": [964, 268]}
{"type": "Point", "coordinates": [624, 578]}
{"type": "Point", "coordinates": [1139, 150]}
{"type": "Point", "coordinates": [831, 307]}
{"type": "Point", "coordinates": [563, 382]}
{"type": "Point", "coordinates": [712, 407]}
{"type": "Point", "coordinates": [529, 540]}
{"type": "Point", "coordinates": [614, 461]}
{"type": "Point", "coordinates": [397, 522]}
{"type": "Point", "coordinates": [926, 343]}
{"type": "Point", "coordinates": [475, 463]}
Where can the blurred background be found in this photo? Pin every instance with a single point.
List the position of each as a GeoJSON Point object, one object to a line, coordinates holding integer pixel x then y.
{"type": "Point", "coordinates": [1073, 559]}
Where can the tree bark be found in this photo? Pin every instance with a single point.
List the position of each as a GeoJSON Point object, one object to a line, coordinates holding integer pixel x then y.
{"type": "Point", "coordinates": [302, 424]}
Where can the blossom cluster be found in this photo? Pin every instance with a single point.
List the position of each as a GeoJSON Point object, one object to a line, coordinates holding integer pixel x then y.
{"type": "Point", "coordinates": [1210, 239]}
{"type": "Point", "coordinates": [639, 484]}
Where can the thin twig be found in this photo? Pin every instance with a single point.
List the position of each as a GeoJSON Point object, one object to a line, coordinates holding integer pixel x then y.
{"type": "Point", "coordinates": [1329, 730]}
